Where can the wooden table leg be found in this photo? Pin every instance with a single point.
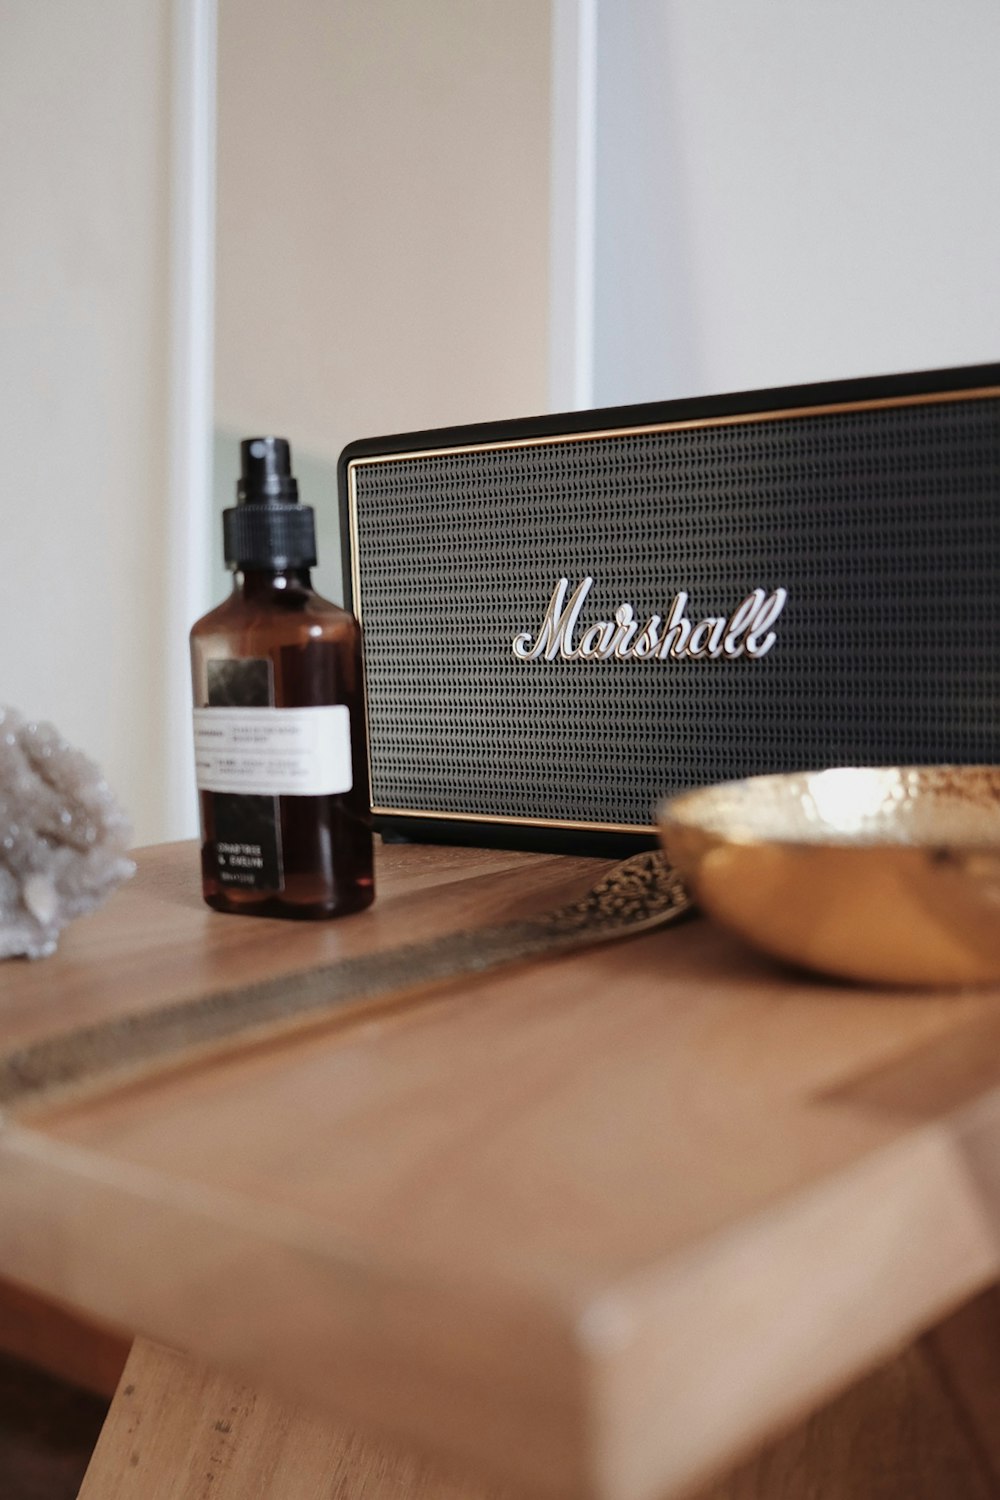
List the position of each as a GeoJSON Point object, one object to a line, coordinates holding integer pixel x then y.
{"type": "Point", "coordinates": [179, 1431]}
{"type": "Point", "coordinates": [924, 1427]}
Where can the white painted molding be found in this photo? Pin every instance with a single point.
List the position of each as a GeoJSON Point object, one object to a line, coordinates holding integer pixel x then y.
{"type": "Point", "coordinates": [189, 468]}
{"type": "Point", "coordinates": [574, 186]}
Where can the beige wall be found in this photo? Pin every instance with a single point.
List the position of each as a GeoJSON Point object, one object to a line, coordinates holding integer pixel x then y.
{"type": "Point", "coordinates": [383, 217]}
{"type": "Point", "coordinates": [83, 300]}
{"type": "Point", "coordinates": [383, 210]}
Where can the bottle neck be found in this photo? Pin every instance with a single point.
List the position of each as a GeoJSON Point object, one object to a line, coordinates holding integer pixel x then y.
{"type": "Point", "coordinates": [271, 583]}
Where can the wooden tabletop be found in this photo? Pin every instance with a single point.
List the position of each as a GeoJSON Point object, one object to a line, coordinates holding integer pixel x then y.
{"type": "Point", "coordinates": [592, 1225]}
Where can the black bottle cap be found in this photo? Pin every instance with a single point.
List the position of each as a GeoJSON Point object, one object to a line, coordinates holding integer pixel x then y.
{"type": "Point", "coordinates": [267, 527]}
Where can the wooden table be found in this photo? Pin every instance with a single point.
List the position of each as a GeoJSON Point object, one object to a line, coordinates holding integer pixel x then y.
{"type": "Point", "coordinates": [596, 1226]}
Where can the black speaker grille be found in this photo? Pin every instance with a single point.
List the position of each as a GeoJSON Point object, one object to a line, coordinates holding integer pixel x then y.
{"type": "Point", "coordinates": [883, 525]}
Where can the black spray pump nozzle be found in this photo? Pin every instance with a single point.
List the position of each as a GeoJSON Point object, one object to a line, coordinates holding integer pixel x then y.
{"type": "Point", "coordinates": [267, 527]}
{"type": "Point", "coordinates": [265, 471]}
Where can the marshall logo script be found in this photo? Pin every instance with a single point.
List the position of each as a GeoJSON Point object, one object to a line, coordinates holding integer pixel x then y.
{"type": "Point", "coordinates": [746, 632]}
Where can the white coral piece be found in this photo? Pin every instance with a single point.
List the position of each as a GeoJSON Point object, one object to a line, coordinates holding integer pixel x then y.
{"type": "Point", "coordinates": [63, 837]}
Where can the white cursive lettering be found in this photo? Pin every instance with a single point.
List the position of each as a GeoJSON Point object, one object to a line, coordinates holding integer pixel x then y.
{"type": "Point", "coordinates": [555, 638]}
{"type": "Point", "coordinates": [749, 630]}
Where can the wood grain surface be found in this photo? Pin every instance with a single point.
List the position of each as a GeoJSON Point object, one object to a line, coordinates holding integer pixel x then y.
{"type": "Point", "coordinates": [905, 1432]}
{"type": "Point", "coordinates": [922, 1427]}
{"type": "Point", "coordinates": [178, 1430]}
{"type": "Point", "coordinates": [593, 1227]}
{"type": "Point", "coordinates": [639, 894]}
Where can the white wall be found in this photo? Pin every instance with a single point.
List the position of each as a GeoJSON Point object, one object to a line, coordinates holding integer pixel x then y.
{"type": "Point", "coordinates": [791, 190]}
{"type": "Point", "coordinates": [382, 255]}
{"type": "Point", "coordinates": [83, 358]}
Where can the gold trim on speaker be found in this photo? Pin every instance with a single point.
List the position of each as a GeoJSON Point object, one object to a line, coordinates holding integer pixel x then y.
{"type": "Point", "coordinates": [502, 820]}
{"type": "Point", "coordinates": [780, 414]}
{"type": "Point", "coordinates": [880, 403]}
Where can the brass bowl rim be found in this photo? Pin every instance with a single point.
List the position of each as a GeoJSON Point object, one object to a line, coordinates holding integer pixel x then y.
{"type": "Point", "coordinates": [684, 810]}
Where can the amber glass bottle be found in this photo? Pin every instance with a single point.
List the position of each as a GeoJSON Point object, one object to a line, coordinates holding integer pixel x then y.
{"type": "Point", "coordinates": [280, 746]}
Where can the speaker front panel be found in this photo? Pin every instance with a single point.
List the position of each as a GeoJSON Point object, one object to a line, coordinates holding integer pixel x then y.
{"type": "Point", "coordinates": [808, 585]}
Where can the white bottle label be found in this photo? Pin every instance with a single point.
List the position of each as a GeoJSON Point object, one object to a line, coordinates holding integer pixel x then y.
{"type": "Point", "coordinates": [274, 752]}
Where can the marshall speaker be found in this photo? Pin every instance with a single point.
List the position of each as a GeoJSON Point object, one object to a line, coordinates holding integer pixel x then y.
{"type": "Point", "coordinates": [567, 618]}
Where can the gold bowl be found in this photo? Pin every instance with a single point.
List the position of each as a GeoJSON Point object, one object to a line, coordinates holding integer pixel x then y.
{"type": "Point", "coordinates": [889, 874]}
